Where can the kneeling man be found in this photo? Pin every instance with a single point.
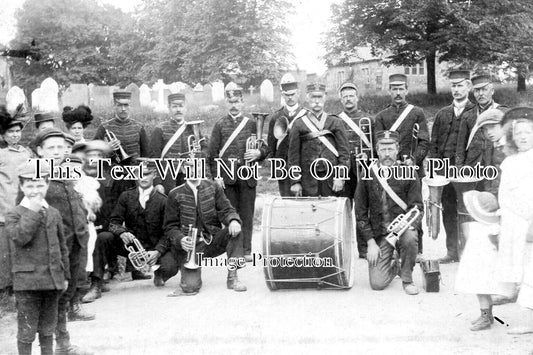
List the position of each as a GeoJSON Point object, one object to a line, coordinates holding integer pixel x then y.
{"type": "Point", "coordinates": [378, 202]}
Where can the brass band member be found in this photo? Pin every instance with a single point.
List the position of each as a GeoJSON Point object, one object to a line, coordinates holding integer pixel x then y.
{"type": "Point", "coordinates": [228, 141]}
{"type": "Point", "coordinates": [377, 203]}
{"type": "Point", "coordinates": [444, 136]}
{"type": "Point", "coordinates": [313, 136]}
{"type": "Point", "coordinates": [170, 140]}
{"type": "Point", "coordinates": [280, 123]}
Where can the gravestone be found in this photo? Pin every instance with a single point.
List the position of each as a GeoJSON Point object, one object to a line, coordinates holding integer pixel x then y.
{"type": "Point", "coordinates": [14, 97]}
{"type": "Point", "coordinates": [267, 91]}
{"type": "Point", "coordinates": [36, 99]}
{"type": "Point", "coordinates": [102, 96]}
{"type": "Point", "coordinates": [198, 88]}
{"type": "Point", "coordinates": [145, 98]}
{"type": "Point", "coordinates": [90, 87]}
{"type": "Point", "coordinates": [208, 93]}
{"type": "Point", "coordinates": [135, 95]}
{"type": "Point", "coordinates": [217, 92]}
{"type": "Point", "coordinates": [159, 87]}
{"type": "Point", "coordinates": [75, 95]}
{"type": "Point", "coordinates": [49, 96]}
{"type": "Point", "coordinates": [166, 92]}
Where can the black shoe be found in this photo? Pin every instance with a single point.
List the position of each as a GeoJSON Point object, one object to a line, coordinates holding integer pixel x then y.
{"type": "Point", "coordinates": [158, 281]}
{"type": "Point", "coordinates": [362, 255]}
{"type": "Point", "coordinates": [76, 313]}
{"type": "Point", "coordinates": [139, 275]}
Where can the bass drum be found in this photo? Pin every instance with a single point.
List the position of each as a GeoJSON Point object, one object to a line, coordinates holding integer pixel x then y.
{"type": "Point", "coordinates": [308, 243]}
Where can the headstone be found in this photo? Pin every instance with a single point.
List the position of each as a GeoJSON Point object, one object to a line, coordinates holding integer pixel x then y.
{"type": "Point", "coordinates": [267, 91]}
{"type": "Point", "coordinates": [159, 87]}
{"type": "Point", "coordinates": [207, 96]}
{"type": "Point", "coordinates": [102, 96]}
{"type": "Point", "coordinates": [14, 97]}
{"type": "Point", "coordinates": [36, 99]}
{"type": "Point", "coordinates": [217, 93]}
{"type": "Point", "coordinates": [145, 98]}
{"type": "Point", "coordinates": [166, 92]}
{"type": "Point", "coordinates": [49, 96]}
{"type": "Point", "coordinates": [251, 89]}
{"type": "Point", "coordinates": [91, 93]}
{"type": "Point", "coordinates": [75, 95]}
{"type": "Point", "coordinates": [198, 88]}
{"type": "Point", "coordinates": [135, 95]}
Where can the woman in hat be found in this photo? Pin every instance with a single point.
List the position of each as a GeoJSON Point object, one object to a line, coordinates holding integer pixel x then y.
{"type": "Point", "coordinates": [77, 120]}
{"type": "Point", "coordinates": [515, 264]}
{"type": "Point", "coordinates": [12, 155]}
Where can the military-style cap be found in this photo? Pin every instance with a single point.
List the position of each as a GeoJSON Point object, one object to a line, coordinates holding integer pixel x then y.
{"type": "Point", "coordinates": [79, 146]}
{"type": "Point", "coordinates": [397, 79]}
{"type": "Point", "coordinates": [69, 138]}
{"type": "Point", "coordinates": [481, 80]}
{"type": "Point", "coordinates": [72, 158]}
{"type": "Point", "coordinates": [147, 163]}
{"type": "Point", "coordinates": [348, 85]}
{"type": "Point", "coordinates": [232, 90]}
{"type": "Point", "coordinates": [48, 133]}
{"type": "Point", "coordinates": [516, 113]}
{"type": "Point", "coordinates": [316, 87]}
{"type": "Point", "coordinates": [491, 116]}
{"type": "Point", "coordinates": [176, 96]}
{"type": "Point", "coordinates": [43, 117]}
{"type": "Point", "coordinates": [122, 95]}
{"type": "Point", "coordinates": [97, 144]}
{"type": "Point", "coordinates": [387, 137]}
{"type": "Point", "coordinates": [28, 170]}
{"type": "Point", "coordinates": [456, 76]}
{"type": "Point", "coordinates": [288, 82]}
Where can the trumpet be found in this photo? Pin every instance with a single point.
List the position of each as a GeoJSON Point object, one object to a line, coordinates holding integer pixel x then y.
{"type": "Point", "coordinates": [433, 204]}
{"type": "Point", "coordinates": [255, 141]}
{"type": "Point", "coordinates": [400, 224]}
{"type": "Point", "coordinates": [138, 256]}
{"type": "Point", "coordinates": [193, 141]}
{"type": "Point", "coordinates": [120, 154]}
{"type": "Point", "coordinates": [191, 256]}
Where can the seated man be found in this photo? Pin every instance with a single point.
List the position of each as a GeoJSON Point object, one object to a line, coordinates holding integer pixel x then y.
{"type": "Point", "coordinates": [138, 214]}
{"type": "Point", "coordinates": [202, 204]}
{"type": "Point", "coordinates": [377, 203]}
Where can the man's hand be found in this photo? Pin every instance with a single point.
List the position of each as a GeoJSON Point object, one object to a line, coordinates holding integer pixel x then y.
{"type": "Point", "coordinates": [338, 185]}
{"type": "Point", "coordinates": [252, 155]}
{"type": "Point", "coordinates": [186, 243]}
{"type": "Point", "coordinates": [159, 188]}
{"type": "Point", "coordinates": [115, 144]}
{"type": "Point", "coordinates": [296, 189]}
{"type": "Point", "coordinates": [361, 156]}
{"type": "Point", "coordinates": [408, 162]}
{"type": "Point", "coordinates": [234, 228]}
{"type": "Point", "coordinates": [220, 182]}
{"type": "Point", "coordinates": [127, 237]}
{"type": "Point", "coordinates": [373, 252]}
{"type": "Point", "coordinates": [152, 257]}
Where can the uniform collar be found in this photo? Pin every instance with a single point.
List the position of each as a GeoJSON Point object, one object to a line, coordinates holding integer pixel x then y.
{"type": "Point", "coordinates": [121, 121]}
{"type": "Point", "coordinates": [145, 192]}
{"type": "Point", "coordinates": [236, 118]}
{"type": "Point", "coordinates": [26, 203]}
{"type": "Point", "coordinates": [400, 106]}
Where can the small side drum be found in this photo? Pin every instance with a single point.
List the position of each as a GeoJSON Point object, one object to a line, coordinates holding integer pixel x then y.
{"type": "Point", "coordinates": [308, 243]}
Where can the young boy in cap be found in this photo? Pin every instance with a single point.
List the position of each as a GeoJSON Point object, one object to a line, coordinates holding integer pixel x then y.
{"type": "Point", "coordinates": [40, 261]}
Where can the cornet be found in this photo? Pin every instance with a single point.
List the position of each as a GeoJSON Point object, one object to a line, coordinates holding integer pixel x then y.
{"type": "Point", "coordinates": [139, 257]}
{"type": "Point", "coordinates": [255, 141]}
{"type": "Point", "coordinates": [191, 256]}
{"type": "Point", "coordinates": [400, 224]}
{"type": "Point", "coordinates": [120, 154]}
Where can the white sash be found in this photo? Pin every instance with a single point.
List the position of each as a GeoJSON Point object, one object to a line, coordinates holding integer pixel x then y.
{"type": "Point", "coordinates": [324, 140]}
{"type": "Point", "coordinates": [233, 136]}
{"type": "Point", "coordinates": [355, 128]}
{"type": "Point", "coordinates": [389, 190]}
{"type": "Point", "coordinates": [173, 139]}
{"type": "Point", "coordinates": [402, 117]}
{"type": "Point", "coordinates": [476, 127]}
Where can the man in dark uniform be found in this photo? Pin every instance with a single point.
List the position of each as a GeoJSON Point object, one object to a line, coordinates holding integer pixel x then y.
{"type": "Point", "coordinates": [443, 146]}
{"type": "Point", "coordinates": [377, 204]}
{"type": "Point", "coordinates": [228, 142]}
{"type": "Point", "coordinates": [314, 136]}
{"type": "Point", "coordinates": [139, 214]}
{"type": "Point", "coordinates": [170, 140]}
{"type": "Point", "coordinates": [202, 204]}
{"type": "Point", "coordinates": [280, 124]}
{"type": "Point", "coordinates": [351, 117]}
{"type": "Point", "coordinates": [402, 117]}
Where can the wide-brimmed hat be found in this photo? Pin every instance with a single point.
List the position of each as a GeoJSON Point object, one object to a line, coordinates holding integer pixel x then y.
{"type": "Point", "coordinates": [482, 206]}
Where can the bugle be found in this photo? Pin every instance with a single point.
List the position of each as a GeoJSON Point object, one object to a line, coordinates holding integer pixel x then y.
{"type": "Point", "coordinates": [191, 256]}
{"type": "Point", "coordinates": [138, 255]}
{"type": "Point", "coordinates": [400, 224]}
{"type": "Point", "coordinates": [433, 204]}
{"type": "Point", "coordinates": [120, 154]}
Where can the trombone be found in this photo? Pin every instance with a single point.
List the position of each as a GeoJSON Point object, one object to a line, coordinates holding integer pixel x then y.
{"type": "Point", "coordinates": [256, 141]}
{"type": "Point", "coordinates": [191, 255]}
{"type": "Point", "coordinates": [400, 224]}
{"type": "Point", "coordinates": [120, 154]}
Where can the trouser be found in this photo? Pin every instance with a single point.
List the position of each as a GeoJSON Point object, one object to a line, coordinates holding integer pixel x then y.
{"type": "Point", "coordinates": [450, 219]}
{"type": "Point", "coordinates": [242, 198]}
{"type": "Point", "coordinates": [5, 260]}
{"type": "Point", "coordinates": [285, 188]}
{"type": "Point", "coordinates": [191, 279]}
{"type": "Point", "coordinates": [37, 312]}
{"type": "Point", "coordinates": [383, 273]}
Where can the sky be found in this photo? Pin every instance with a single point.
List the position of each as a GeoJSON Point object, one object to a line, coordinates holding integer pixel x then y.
{"type": "Point", "coordinates": [307, 24]}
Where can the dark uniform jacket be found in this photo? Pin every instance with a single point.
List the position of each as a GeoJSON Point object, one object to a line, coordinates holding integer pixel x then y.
{"type": "Point", "coordinates": [131, 134]}
{"type": "Point", "coordinates": [212, 211]}
{"type": "Point", "coordinates": [354, 141]}
{"type": "Point", "coordinates": [164, 132]}
{"type": "Point", "coordinates": [221, 132]}
{"type": "Point", "coordinates": [145, 224]}
{"type": "Point", "coordinates": [303, 150]}
{"type": "Point", "coordinates": [39, 254]}
{"type": "Point", "coordinates": [445, 131]}
{"type": "Point", "coordinates": [375, 209]}
{"type": "Point", "coordinates": [480, 149]}
{"type": "Point", "coordinates": [282, 150]}
{"type": "Point", "coordinates": [386, 118]}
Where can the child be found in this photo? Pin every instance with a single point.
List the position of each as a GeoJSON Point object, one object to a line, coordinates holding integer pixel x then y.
{"type": "Point", "coordinates": [40, 263]}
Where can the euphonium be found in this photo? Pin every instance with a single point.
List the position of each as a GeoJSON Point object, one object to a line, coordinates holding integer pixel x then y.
{"type": "Point", "coordinates": [255, 141]}
{"type": "Point", "coordinates": [281, 127]}
{"type": "Point", "coordinates": [193, 141]}
{"type": "Point", "coordinates": [433, 204]}
{"type": "Point", "coordinates": [191, 256]}
{"type": "Point", "coordinates": [400, 224]}
{"type": "Point", "coordinates": [139, 257]}
{"type": "Point", "coordinates": [119, 154]}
